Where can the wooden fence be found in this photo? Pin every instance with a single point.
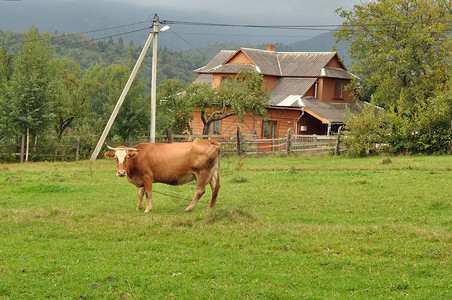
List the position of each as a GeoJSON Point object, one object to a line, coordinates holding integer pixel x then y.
{"type": "Point", "coordinates": [252, 144]}
{"type": "Point", "coordinates": [237, 143]}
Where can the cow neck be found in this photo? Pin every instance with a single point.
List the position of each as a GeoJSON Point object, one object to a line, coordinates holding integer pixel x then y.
{"type": "Point", "coordinates": [130, 166]}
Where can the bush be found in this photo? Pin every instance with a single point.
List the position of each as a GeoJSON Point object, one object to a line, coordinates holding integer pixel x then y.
{"type": "Point", "coordinates": [434, 123]}
{"type": "Point", "coordinates": [365, 131]}
{"type": "Point", "coordinates": [426, 129]}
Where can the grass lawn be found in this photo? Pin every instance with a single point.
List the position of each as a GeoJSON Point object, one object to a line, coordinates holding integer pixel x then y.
{"type": "Point", "coordinates": [283, 228]}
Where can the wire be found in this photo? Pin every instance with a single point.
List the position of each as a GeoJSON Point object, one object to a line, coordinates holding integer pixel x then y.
{"type": "Point", "coordinates": [86, 32]}
{"type": "Point", "coordinates": [323, 27]}
{"type": "Point", "coordinates": [197, 49]}
{"type": "Point", "coordinates": [304, 27]}
{"type": "Point", "coordinates": [252, 35]}
{"type": "Point", "coordinates": [101, 38]}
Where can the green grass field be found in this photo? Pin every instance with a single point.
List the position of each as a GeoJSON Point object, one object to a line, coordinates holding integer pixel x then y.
{"type": "Point", "coordinates": [283, 228]}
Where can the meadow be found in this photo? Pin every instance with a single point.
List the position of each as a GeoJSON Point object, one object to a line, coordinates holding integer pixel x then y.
{"type": "Point", "coordinates": [283, 228]}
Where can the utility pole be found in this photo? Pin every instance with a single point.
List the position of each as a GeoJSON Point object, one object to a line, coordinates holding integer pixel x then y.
{"type": "Point", "coordinates": [155, 32]}
{"type": "Point", "coordinates": [121, 98]}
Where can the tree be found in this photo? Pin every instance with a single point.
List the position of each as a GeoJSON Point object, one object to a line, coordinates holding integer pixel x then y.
{"type": "Point", "coordinates": [30, 104]}
{"type": "Point", "coordinates": [237, 96]}
{"type": "Point", "coordinates": [108, 83]}
{"type": "Point", "coordinates": [68, 94]}
{"type": "Point", "coordinates": [5, 74]}
{"type": "Point", "coordinates": [6, 61]}
{"type": "Point", "coordinates": [173, 111]}
{"type": "Point", "coordinates": [400, 51]}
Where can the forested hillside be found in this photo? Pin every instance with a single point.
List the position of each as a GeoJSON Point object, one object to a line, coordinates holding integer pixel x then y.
{"type": "Point", "coordinates": [88, 52]}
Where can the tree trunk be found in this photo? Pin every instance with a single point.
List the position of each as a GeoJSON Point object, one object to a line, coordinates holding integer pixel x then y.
{"type": "Point", "coordinates": [22, 148]}
{"type": "Point", "coordinates": [205, 130]}
{"type": "Point", "coordinates": [28, 145]}
{"type": "Point", "coordinates": [35, 144]}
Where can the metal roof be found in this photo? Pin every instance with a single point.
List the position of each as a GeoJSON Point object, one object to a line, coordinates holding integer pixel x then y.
{"type": "Point", "coordinates": [267, 61]}
{"type": "Point", "coordinates": [217, 61]}
{"type": "Point", "coordinates": [283, 64]}
{"type": "Point", "coordinates": [204, 78]}
{"type": "Point", "coordinates": [287, 86]}
{"type": "Point", "coordinates": [232, 68]}
{"type": "Point", "coordinates": [303, 64]}
{"type": "Point", "coordinates": [336, 73]}
{"type": "Point", "coordinates": [331, 111]}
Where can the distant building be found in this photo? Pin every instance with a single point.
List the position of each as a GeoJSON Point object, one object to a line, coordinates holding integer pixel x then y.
{"type": "Point", "coordinates": [307, 91]}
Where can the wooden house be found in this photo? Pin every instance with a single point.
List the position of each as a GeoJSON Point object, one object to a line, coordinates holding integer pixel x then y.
{"type": "Point", "coordinates": [307, 91]}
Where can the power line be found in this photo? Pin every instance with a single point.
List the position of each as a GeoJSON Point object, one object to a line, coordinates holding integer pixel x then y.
{"type": "Point", "coordinates": [197, 49]}
{"type": "Point", "coordinates": [304, 27]}
{"type": "Point", "coordinates": [89, 31]}
{"type": "Point", "coordinates": [324, 27]}
{"type": "Point", "coordinates": [101, 38]}
{"type": "Point", "coordinates": [251, 35]}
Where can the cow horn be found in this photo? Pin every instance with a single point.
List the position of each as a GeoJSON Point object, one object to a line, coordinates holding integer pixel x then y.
{"type": "Point", "coordinates": [111, 148]}
{"type": "Point", "coordinates": [132, 149]}
{"type": "Point", "coordinates": [125, 148]}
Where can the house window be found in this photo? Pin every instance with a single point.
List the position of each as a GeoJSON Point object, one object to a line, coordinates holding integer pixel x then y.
{"type": "Point", "coordinates": [215, 127]}
{"type": "Point", "coordinates": [269, 129]}
{"type": "Point", "coordinates": [233, 77]}
{"type": "Point", "coordinates": [338, 89]}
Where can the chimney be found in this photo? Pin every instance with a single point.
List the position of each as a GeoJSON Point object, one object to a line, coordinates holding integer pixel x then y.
{"type": "Point", "coordinates": [270, 47]}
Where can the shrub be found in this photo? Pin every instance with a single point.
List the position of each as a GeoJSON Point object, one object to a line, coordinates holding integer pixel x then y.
{"type": "Point", "coordinates": [365, 130]}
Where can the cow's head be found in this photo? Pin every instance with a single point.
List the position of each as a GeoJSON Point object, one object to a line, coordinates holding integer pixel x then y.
{"type": "Point", "coordinates": [122, 155]}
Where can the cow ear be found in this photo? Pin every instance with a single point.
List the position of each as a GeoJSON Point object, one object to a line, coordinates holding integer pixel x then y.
{"type": "Point", "coordinates": [110, 154]}
{"type": "Point", "coordinates": [133, 154]}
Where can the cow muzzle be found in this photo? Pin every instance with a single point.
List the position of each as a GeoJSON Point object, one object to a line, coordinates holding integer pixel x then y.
{"type": "Point", "coordinates": [121, 173]}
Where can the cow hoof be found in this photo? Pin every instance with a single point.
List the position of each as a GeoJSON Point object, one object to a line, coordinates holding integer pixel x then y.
{"type": "Point", "coordinates": [147, 211]}
{"type": "Point", "coordinates": [187, 210]}
{"type": "Point", "coordinates": [139, 208]}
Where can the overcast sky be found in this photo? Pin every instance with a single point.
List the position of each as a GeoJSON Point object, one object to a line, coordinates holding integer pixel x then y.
{"type": "Point", "coordinates": [83, 15]}
{"type": "Point", "coordinates": [257, 11]}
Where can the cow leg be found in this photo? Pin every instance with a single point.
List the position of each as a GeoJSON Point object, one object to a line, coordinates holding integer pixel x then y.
{"type": "Point", "coordinates": [148, 189]}
{"type": "Point", "coordinates": [148, 201]}
{"type": "Point", "coordinates": [215, 185]}
{"type": "Point", "coordinates": [201, 181]}
{"type": "Point", "coordinates": [140, 198]}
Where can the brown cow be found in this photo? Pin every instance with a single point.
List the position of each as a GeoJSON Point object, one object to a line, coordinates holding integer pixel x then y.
{"type": "Point", "coordinates": [173, 164]}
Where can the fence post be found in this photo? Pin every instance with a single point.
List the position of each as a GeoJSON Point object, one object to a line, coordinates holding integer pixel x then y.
{"type": "Point", "coordinates": [168, 135]}
{"type": "Point", "coordinates": [77, 150]}
{"type": "Point", "coordinates": [336, 148]}
{"type": "Point", "coordinates": [239, 141]}
{"type": "Point", "coordinates": [288, 142]}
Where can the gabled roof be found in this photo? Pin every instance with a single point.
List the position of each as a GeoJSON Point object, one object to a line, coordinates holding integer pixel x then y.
{"type": "Point", "coordinates": [304, 64]}
{"type": "Point", "coordinates": [272, 63]}
{"type": "Point", "coordinates": [267, 61]}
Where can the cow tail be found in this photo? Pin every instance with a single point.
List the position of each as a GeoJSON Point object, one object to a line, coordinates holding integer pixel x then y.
{"type": "Point", "coordinates": [216, 167]}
